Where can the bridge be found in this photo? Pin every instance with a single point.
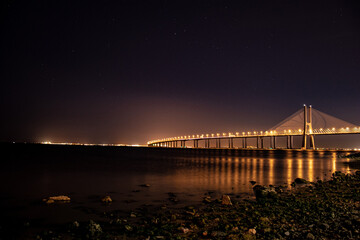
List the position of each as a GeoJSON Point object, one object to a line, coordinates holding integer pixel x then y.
{"type": "Point", "coordinates": [306, 123]}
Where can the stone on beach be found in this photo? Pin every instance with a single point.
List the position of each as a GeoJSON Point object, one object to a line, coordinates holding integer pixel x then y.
{"type": "Point", "coordinates": [300, 181]}
{"type": "Point", "coordinates": [225, 200]}
{"type": "Point", "coordinates": [106, 199]}
{"type": "Point", "coordinates": [53, 199]}
{"type": "Point", "coordinates": [264, 192]}
{"type": "Point", "coordinates": [145, 185]}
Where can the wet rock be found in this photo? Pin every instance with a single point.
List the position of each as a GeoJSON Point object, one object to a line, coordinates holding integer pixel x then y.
{"type": "Point", "coordinates": [94, 228]}
{"type": "Point", "coordinates": [225, 200]}
{"type": "Point", "coordinates": [252, 231]}
{"type": "Point", "coordinates": [106, 199]}
{"type": "Point", "coordinates": [300, 181]}
{"type": "Point", "coordinates": [253, 182]}
{"type": "Point", "coordinates": [48, 201]}
{"type": "Point", "coordinates": [75, 224]}
{"type": "Point", "coordinates": [54, 199]}
{"type": "Point", "coordinates": [262, 192]}
{"type": "Point", "coordinates": [128, 228]}
{"type": "Point", "coordinates": [145, 185]}
{"type": "Point", "coordinates": [207, 199]}
{"type": "Point", "coordinates": [184, 230]}
{"type": "Point", "coordinates": [310, 236]}
{"type": "Point", "coordinates": [325, 226]}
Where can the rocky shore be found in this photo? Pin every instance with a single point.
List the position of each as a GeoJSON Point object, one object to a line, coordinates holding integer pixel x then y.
{"type": "Point", "coordinates": [309, 210]}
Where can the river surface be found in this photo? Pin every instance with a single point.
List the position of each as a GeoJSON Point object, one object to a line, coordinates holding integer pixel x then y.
{"type": "Point", "coordinates": [32, 172]}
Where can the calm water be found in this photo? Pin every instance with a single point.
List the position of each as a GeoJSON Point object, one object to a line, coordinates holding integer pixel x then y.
{"type": "Point", "coordinates": [33, 172]}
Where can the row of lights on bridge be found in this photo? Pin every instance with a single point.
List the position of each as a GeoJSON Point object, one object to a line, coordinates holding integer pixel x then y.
{"type": "Point", "coordinates": [238, 134]}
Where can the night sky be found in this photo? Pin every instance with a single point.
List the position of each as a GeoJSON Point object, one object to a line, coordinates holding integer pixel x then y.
{"type": "Point", "coordinates": [132, 71]}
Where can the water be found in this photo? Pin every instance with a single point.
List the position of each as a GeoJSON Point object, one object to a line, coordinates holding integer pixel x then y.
{"type": "Point", "coordinates": [32, 172]}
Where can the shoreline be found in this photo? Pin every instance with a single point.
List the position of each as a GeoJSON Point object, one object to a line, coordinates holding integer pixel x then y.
{"type": "Point", "coordinates": [323, 209]}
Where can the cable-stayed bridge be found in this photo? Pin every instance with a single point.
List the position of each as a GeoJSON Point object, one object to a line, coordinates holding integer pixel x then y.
{"type": "Point", "coordinates": [306, 123]}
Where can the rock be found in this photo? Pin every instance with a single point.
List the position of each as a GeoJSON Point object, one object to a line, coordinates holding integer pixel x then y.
{"type": "Point", "coordinates": [325, 226]}
{"type": "Point", "coordinates": [207, 199]}
{"type": "Point", "coordinates": [253, 183]}
{"type": "Point", "coordinates": [60, 198]}
{"type": "Point", "coordinates": [310, 236]}
{"type": "Point", "coordinates": [54, 199]}
{"type": "Point", "coordinates": [252, 231]}
{"type": "Point", "coordinates": [248, 236]}
{"type": "Point", "coordinates": [49, 201]}
{"type": "Point", "coordinates": [106, 199]}
{"type": "Point", "coordinates": [218, 234]}
{"type": "Point", "coordinates": [264, 192]}
{"type": "Point", "coordinates": [128, 228]}
{"type": "Point", "coordinates": [184, 230]}
{"type": "Point", "coordinates": [75, 224]}
{"type": "Point", "coordinates": [300, 181]}
{"type": "Point", "coordinates": [145, 185]}
{"type": "Point", "coordinates": [94, 228]}
{"type": "Point", "coordinates": [225, 200]}
{"type": "Point", "coordinates": [287, 233]}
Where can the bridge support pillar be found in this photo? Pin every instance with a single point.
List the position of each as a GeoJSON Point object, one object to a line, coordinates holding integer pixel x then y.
{"type": "Point", "coordinates": [308, 129]}
{"type": "Point", "coordinates": [244, 142]}
{"type": "Point", "coordinates": [257, 142]}
{"type": "Point", "coordinates": [288, 142]}
{"type": "Point", "coordinates": [274, 142]}
{"type": "Point", "coordinates": [312, 142]}
{"type": "Point", "coordinates": [218, 143]}
{"type": "Point", "coordinates": [231, 143]}
{"type": "Point", "coordinates": [262, 142]}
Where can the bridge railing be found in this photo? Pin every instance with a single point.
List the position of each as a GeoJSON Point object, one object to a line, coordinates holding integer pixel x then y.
{"type": "Point", "coordinates": [249, 134]}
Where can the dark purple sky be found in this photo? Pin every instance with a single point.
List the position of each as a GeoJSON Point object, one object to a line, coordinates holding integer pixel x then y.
{"type": "Point", "coordinates": [131, 71]}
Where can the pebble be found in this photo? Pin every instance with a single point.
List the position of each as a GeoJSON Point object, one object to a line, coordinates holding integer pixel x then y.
{"type": "Point", "coordinates": [225, 200]}
{"type": "Point", "coordinates": [310, 236]}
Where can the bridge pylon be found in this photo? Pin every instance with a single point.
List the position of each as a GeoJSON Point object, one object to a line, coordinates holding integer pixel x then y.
{"type": "Point", "coordinates": [308, 130]}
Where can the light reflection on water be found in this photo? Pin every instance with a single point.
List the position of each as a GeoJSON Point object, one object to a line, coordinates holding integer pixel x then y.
{"type": "Point", "coordinates": [232, 174]}
{"type": "Point", "coordinates": [84, 173]}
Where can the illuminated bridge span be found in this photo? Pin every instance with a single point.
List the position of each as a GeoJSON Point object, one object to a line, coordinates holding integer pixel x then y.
{"type": "Point", "coordinates": [306, 123]}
